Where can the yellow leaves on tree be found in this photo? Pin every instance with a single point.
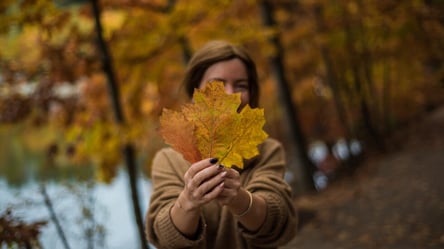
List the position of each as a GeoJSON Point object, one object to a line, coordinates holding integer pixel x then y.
{"type": "Point", "coordinates": [211, 126]}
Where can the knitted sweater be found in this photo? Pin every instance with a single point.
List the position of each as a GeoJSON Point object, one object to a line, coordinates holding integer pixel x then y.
{"type": "Point", "coordinates": [262, 176]}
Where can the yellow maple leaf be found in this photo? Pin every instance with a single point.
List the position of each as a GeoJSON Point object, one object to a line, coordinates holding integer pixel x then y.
{"type": "Point", "coordinates": [211, 126]}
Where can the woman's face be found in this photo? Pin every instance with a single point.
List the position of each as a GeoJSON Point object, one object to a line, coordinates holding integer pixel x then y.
{"type": "Point", "coordinates": [233, 74]}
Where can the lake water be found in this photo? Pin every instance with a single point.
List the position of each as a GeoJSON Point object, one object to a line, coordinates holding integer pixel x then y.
{"type": "Point", "coordinates": [94, 215]}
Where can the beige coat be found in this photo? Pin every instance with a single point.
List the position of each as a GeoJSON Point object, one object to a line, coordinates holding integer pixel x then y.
{"type": "Point", "coordinates": [262, 175]}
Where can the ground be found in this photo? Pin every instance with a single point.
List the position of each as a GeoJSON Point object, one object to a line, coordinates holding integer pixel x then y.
{"type": "Point", "coordinates": [393, 200]}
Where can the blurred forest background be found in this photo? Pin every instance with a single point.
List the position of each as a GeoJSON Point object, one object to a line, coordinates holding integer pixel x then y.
{"type": "Point", "coordinates": [82, 83]}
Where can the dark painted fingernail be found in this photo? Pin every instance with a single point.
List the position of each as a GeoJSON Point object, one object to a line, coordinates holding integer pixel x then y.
{"type": "Point", "coordinates": [220, 166]}
{"type": "Point", "coordinates": [214, 160]}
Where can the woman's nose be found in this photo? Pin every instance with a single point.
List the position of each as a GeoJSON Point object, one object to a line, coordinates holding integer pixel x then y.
{"type": "Point", "coordinates": [229, 88]}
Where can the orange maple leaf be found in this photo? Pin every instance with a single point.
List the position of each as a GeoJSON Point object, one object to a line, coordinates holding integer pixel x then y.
{"type": "Point", "coordinates": [211, 126]}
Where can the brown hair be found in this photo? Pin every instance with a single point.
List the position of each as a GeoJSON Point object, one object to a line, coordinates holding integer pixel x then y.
{"type": "Point", "coordinates": [217, 51]}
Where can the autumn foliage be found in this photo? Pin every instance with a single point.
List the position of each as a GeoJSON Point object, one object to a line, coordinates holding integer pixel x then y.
{"type": "Point", "coordinates": [16, 233]}
{"type": "Point", "coordinates": [356, 69]}
{"type": "Point", "coordinates": [212, 126]}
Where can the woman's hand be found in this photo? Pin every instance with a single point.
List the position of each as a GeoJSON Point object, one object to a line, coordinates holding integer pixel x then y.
{"type": "Point", "coordinates": [204, 181]}
{"type": "Point", "coordinates": [231, 187]}
{"type": "Point", "coordinates": [248, 208]}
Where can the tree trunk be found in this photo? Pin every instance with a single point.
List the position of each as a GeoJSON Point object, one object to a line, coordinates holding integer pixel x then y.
{"type": "Point", "coordinates": [386, 97]}
{"type": "Point", "coordinates": [332, 78]}
{"type": "Point", "coordinates": [277, 64]}
{"type": "Point", "coordinates": [54, 218]}
{"type": "Point", "coordinates": [363, 80]}
{"type": "Point", "coordinates": [128, 149]}
{"type": "Point", "coordinates": [186, 50]}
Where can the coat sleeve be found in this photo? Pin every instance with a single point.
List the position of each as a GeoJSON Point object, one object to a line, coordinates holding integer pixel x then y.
{"type": "Point", "coordinates": [167, 182]}
{"type": "Point", "coordinates": [267, 181]}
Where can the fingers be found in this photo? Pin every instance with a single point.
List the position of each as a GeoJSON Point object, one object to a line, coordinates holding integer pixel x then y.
{"type": "Point", "coordinates": [231, 173]}
{"type": "Point", "coordinates": [209, 185]}
{"type": "Point", "coordinates": [206, 174]}
{"type": "Point", "coordinates": [198, 166]}
{"type": "Point", "coordinates": [204, 181]}
{"type": "Point", "coordinates": [214, 193]}
{"type": "Point", "coordinates": [231, 187]}
{"type": "Point", "coordinates": [200, 172]}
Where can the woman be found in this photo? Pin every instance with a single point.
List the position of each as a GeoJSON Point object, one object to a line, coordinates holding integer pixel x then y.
{"type": "Point", "coordinates": [203, 205]}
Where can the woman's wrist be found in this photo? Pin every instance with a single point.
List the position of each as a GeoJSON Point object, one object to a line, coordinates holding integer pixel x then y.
{"type": "Point", "coordinates": [184, 217]}
{"type": "Point", "coordinates": [242, 204]}
{"type": "Point", "coordinates": [250, 204]}
{"type": "Point", "coordinates": [185, 205]}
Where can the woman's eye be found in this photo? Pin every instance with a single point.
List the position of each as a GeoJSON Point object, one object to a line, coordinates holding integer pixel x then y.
{"type": "Point", "coordinates": [241, 87]}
